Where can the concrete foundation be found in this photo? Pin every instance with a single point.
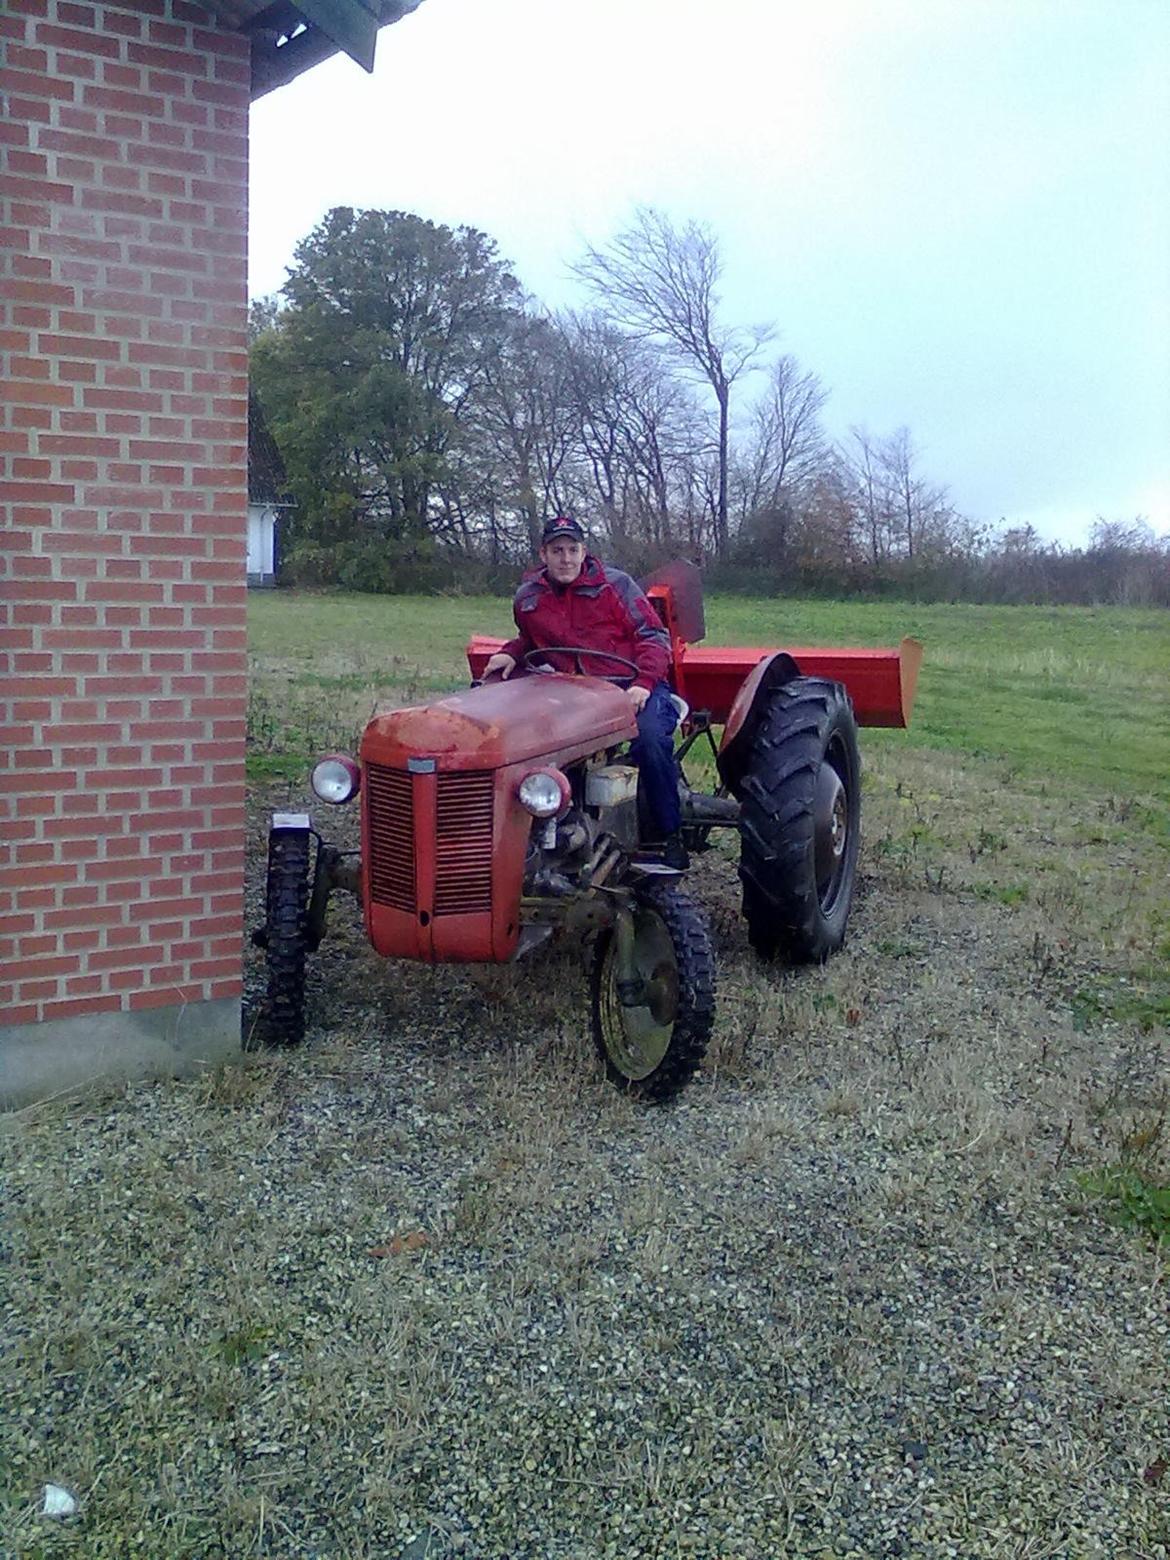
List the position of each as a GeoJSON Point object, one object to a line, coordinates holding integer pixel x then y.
{"type": "Point", "coordinates": [68, 1055]}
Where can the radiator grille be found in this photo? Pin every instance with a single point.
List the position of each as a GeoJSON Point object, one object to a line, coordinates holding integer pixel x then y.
{"type": "Point", "coordinates": [391, 864]}
{"type": "Point", "coordinates": [463, 843]}
{"type": "Point", "coordinates": [463, 848]}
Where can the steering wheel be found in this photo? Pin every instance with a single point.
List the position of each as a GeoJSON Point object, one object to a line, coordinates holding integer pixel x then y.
{"type": "Point", "coordinates": [529, 658]}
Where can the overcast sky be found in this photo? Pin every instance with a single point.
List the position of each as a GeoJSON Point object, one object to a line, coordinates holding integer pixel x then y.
{"type": "Point", "coordinates": [957, 214]}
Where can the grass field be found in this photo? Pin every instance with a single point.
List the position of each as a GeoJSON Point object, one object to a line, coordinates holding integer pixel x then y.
{"type": "Point", "coordinates": [1072, 693]}
{"type": "Point", "coordinates": [889, 1279]}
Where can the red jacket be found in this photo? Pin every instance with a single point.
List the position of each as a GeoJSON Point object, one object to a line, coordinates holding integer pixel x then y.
{"type": "Point", "coordinates": [603, 609]}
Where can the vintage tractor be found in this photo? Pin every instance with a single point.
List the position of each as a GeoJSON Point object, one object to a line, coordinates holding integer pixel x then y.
{"type": "Point", "coordinates": [496, 818]}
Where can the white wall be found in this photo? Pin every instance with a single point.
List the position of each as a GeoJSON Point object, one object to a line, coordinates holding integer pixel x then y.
{"type": "Point", "coordinates": [261, 530]}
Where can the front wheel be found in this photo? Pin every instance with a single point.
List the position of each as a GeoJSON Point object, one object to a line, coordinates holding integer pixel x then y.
{"type": "Point", "coordinates": [800, 824]}
{"type": "Point", "coordinates": [285, 941]}
{"type": "Point", "coordinates": [651, 1045]}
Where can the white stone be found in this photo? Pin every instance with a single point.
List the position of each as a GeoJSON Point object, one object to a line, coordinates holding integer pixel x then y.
{"type": "Point", "coordinates": [58, 1502]}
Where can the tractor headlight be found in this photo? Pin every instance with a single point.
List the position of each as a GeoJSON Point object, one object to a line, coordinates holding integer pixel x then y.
{"type": "Point", "coordinates": [336, 778]}
{"type": "Point", "coordinates": [545, 793]}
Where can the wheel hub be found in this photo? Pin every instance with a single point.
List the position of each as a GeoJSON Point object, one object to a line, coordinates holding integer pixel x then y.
{"type": "Point", "coordinates": [637, 1037]}
{"type": "Point", "coordinates": [830, 825]}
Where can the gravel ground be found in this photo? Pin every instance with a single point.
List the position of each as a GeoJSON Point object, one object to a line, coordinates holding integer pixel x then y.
{"type": "Point", "coordinates": [429, 1286]}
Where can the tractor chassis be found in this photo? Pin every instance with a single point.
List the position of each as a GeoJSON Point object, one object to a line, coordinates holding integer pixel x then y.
{"type": "Point", "coordinates": [581, 912]}
{"type": "Point", "coordinates": [603, 903]}
{"type": "Point", "coordinates": [584, 915]}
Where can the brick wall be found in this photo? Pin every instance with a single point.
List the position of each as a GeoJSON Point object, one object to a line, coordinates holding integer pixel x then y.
{"type": "Point", "coordinates": [123, 441]}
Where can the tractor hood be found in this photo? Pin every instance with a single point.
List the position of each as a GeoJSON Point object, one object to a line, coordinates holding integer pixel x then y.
{"type": "Point", "coordinates": [547, 716]}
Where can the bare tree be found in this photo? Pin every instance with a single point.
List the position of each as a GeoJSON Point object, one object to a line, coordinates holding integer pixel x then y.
{"type": "Point", "coordinates": [598, 369]}
{"type": "Point", "coordinates": [861, 460]}
{"type": "Point", "coordinates": [636, 419]}
{"type": "Point", "coordinates": [789, 441]}
{"type": "Point", "coordinates": [783, 456]}
{"type": "Point", "coordinates": [920, 505]}
{"type": "Point", "coordinates": [659, 281]}
{"type": "Point", "coordinates": [902, 513]}
{"type": "Point", "coordinates": [524, 419]}
{"type": "Point", "coordinates": [1136, 535]}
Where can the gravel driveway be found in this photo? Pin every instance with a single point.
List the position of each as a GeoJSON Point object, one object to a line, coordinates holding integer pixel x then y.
{"type": "Point", "coordinates": [430, 1286]}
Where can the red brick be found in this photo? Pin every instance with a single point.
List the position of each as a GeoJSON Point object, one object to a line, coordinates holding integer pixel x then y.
{"type": "Point", "coordinates": [21, 368]}
{"type": "Point", "coordinates": [138, 957]}
{"type": "Point", "coordinates": [41, 968]}
{"type": "Point", "coordinates": [37, 990]}
{"type": "Point", "coordinates": [121, 100]}
{"type": "Point", "coordinates": [81, 985]}
{"type": "Point", "coordinates": [31, 947]}
{"type": "Point", "coordinates": [12, 1012]}
{"type": "Point", "coordinates": [79, 1007]}
{"type": "Point", "coordinates": [41, 394]}
{"type": "Point", "coordinates": [38, 86]}
{"type": "Point", "coordinates": [126, 25]}
{"type": "Point", "coordinates": [209, 969]}
{"type": "Point", "coordinates": [181, 60]}
{"type": "Point", "coordinates": [124, 980]}
{"type": "Point", "coordinates": [11, 925]}
{"type": "Point", "coordinates": [48, 687]}
{"type": "Point", "coordinates": [165, 996]}
{"type": "Point", "coordinates": [34, 189]}
{"type": "Point", "coordinates": [81, 942]}
{"type": "Point", "coordinates": [84, 916]}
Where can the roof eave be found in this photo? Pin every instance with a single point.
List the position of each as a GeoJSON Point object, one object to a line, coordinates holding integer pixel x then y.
{"type": "Point", "coordinates": [290, 36]}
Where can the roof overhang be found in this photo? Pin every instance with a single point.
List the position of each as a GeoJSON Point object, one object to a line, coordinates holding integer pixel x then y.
{"type": "Point", "coordinates": [288, 38]}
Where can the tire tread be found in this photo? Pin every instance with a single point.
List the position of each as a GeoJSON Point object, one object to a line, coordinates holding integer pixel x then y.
{"type": "Point", "coordinates": [288, 877]}
{"type": "Point", "coordinates": [777, 833]}
{"type": "Point", "coordinates": [686, 922]}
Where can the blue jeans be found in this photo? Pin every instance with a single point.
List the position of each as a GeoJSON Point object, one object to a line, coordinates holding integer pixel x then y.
{"type": "Point", "coordinates": [653, 752]}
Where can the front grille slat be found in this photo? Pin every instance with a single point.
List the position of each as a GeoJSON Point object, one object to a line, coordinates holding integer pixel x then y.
{"type": "Point", "coordinates": [464, 804]}
{"type": "Point", "coordinates": [391, 864]}
{"type": "Point", "coordinates": [463, 847]}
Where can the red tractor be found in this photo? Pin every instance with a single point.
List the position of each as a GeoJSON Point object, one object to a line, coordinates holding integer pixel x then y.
{"type": "Point", "coordinates": [499, 817]}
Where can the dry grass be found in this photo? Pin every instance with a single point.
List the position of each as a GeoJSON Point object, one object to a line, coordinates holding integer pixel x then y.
{"type": "Point", "coordinates": [430, 1281]}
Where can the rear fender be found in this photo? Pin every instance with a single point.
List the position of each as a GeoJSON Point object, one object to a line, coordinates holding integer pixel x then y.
{"type": "Point", "coordinates": [772, 672]}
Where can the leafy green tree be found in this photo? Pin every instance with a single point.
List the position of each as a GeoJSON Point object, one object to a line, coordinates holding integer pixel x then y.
{"type": "Point", "coordinates": [369, 373]}
{"type": "Point", "coordinates": [262, 316]}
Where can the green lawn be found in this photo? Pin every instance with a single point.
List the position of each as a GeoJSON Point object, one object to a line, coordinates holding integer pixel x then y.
{"type": "Point", "coordinates": [1079, 692]}
{"type": "Point", "coordinates": [1058, 693]}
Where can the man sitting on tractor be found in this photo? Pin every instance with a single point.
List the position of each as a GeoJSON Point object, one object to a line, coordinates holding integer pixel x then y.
{"type": "Point", "coordinates": [574, 600]}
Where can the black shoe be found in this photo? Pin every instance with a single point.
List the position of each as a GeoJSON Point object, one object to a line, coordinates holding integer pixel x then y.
{"type": "Point", "coordinates": [674, 854]}
{"type": "Point", "coordinates": [667, 858]}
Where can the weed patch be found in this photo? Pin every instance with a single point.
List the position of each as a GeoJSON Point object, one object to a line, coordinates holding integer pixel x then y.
{"type": "Point", "coordinates": [1133, 1201]}
{"type": "Point", "coordinates": [1007, 894]}
{"type": "Point", "coordinates": [1141, 999]}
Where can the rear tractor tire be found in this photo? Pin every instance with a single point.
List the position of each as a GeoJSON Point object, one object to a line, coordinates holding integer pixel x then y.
{"type": "Point", "coordinates": [651, 1050]}
{"type": "Point", "coordinates": [286, 903]}
{"type": "Point", "coordinates": [800, 825]}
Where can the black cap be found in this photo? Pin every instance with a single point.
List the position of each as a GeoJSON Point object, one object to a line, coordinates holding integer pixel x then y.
{"type": "Point", "coordinates": [562, 525]}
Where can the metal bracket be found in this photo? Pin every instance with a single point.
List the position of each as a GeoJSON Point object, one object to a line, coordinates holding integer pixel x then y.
{"type": "Point", "coordinates": [631, 988]}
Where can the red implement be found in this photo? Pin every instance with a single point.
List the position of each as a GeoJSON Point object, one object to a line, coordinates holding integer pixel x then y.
{"type": "Point", "coordinates": [881, 683]}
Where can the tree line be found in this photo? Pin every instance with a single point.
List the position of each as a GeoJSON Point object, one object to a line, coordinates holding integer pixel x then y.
{"type": "Point", "coordinates": [431, 415]}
